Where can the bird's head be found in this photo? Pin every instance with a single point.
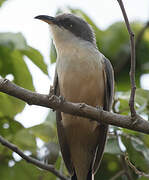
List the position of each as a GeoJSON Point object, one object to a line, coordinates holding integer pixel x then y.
{"type": "Point", "coordinates": [68, 27]}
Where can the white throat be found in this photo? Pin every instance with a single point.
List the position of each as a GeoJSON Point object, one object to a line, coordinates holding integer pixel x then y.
{"type": "Point", "coordinates": [66, 42]}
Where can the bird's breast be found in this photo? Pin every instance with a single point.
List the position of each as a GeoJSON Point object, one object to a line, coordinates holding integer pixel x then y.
{"type": "Point", "coordinates": [81, 77]}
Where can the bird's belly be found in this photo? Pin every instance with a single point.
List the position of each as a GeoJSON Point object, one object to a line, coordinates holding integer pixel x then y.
{"type": "Point", "coordinates": [81, 82]}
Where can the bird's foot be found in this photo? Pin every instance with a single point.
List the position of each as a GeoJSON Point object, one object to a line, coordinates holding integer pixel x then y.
{"type": "Point", "coordinates": [81, 105]}
{"type": "Point", "coordinates": [61, 100]}
{"type": "Point", "coordinates": [54, 99]}
{"type": "Point", "coordinates": [51, 92]}
{"type": "Point", "coordinates": [99, 108]}
{"type": "Point", "coordinates": [134, 119]}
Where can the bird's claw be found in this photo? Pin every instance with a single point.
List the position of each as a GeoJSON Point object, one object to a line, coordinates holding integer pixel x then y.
{"type": "Point", "coordinates": [99, 108]}
{"type": "Point", "coordinates": [81, 105]}
{"type": "Point", "coordinates": [61, 99]}
{"type": "Point", "coordinates": [134, 119]}
{"type": "Point", "coordinates": [51, 92]}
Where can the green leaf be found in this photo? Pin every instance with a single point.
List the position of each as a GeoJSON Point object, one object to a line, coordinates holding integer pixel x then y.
{"type": "Point", "coordinates": [13, 41]}
{"type": "Point", "coordinates": [143, 178]}
{"type": "Point", "coordinates": [10, 106]}
{"type": "Point", "coordinates": [11, 60]}
{"type": "Point", "coordinates": [112, 146]}
{"type": "Point", "coordinates": [44, 131]}
{"type": "Point", "coordinates": [133, 146]}
{"type": "Point", "coordinates": [6, 105]}
{"type": "Point", "coordinates": [9, 127]}
{"type": "Point", "coordinates": [5, 61]}
{"type": "Point", "coordinates": [25, 140]}
{"type": "Point", "coordinates": [35, 56]}
{"type": "Point", "coordinates": [110, 165]}
{"type": "Point", "coordinates": [141, 102]}
{"type": "Point", "coordinates": [140, 146]}
{"type": "Point", "coordinates": [123, 99]}
{"type": "Point", "coordinates": [116, 40]}
{"type": "Point", "coordinates": [23, 170]}
{"type": "Point", "coordinates": [22, 76]}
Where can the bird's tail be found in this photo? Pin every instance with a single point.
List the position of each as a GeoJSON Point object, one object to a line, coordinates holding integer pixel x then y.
{"type": "Point", "coordinates": [74, 177]}
{"type": "Point", "coordinates": [89, 176]}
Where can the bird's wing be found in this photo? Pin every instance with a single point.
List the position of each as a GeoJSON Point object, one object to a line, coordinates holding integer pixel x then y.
{"type": "Point", "coordinates": [60, 130]}
{"type": "Point", "coordinates": [108, 98]}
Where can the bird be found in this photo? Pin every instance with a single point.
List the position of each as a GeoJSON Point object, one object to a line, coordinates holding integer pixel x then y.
{"type": "Point", "coordinates": [82, 75]}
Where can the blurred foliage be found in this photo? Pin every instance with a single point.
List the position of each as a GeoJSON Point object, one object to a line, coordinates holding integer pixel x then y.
{"type": "Point", "coordinates": [113, 42]}
{"type": "Point", "coordinates": [1, 2]}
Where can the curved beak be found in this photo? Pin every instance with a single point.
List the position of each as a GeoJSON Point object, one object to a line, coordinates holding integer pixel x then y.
{"type": "Point", "coordinates": [47, 19]}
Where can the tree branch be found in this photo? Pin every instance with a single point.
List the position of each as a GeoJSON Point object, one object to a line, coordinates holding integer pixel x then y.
{"type": "Point", "coordinates": [133, 62]}
{"type": "Point", "coordinates": [79, 109]}
{"type": "Point", "coordinates": [140, 173]}
{"type": "Point", "coordinates": [32, 160]}
{"type": "Point", "coordinates": [126, 168]}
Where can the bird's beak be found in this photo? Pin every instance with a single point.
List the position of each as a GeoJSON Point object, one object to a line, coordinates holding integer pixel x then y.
{"type": "Point", "coordinates": [47, 19]}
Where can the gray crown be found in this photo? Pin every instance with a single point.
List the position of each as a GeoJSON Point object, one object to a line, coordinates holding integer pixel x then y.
{"type": "Point", "coordinates": [77, 26]}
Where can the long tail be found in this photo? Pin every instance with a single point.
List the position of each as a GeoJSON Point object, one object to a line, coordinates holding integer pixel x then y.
{"type": "Point", "coordinates": [74, 177]}
{"type": "Point", "coordinates": [89, 176]}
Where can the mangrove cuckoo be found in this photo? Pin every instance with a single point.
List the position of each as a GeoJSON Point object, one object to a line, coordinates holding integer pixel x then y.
{"type": "Point", "coordinates": [83, 75]}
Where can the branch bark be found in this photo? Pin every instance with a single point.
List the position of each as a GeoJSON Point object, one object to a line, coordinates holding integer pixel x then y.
{"type": "Point", "coordinates": [32, 160]}
{"type": "Point", "coordinates": [133, 61]}
{"type": "Point", "coordinates": [78, 109]}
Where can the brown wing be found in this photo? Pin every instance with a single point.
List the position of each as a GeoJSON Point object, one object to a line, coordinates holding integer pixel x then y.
{"type": "Point", "coordinates": [108, 98]}
{"type": "Point", "coordinates": [60, 130]}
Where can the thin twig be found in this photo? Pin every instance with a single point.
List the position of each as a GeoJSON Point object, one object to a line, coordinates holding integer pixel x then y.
{"type": "Point", "coordinates": [133, 62]}
{"type": "Point", "coordinates": [122, 157]}
{"type": "Point", "coordinates": [140, 173]}
{"type": "Point", "coordinates": [79, 109]}
{"type": "Point", "coordinates": [126, 168]}
{"type": "Point", "coordinates": [120, 173]}
{"type": "Point", "coordinates": [31, 160]}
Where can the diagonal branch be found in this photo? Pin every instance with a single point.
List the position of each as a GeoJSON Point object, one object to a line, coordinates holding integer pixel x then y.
{"type": "Point", "coordinates": [126, 168]}
{"type": "Point", "coordinates": [32, 160]}
{"type": "Point", "coordinates": [140, 173]}
{"type": "Point", "coordinates": [83, 110]}
{"type": "Point", "coordinates": [133, 62]}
